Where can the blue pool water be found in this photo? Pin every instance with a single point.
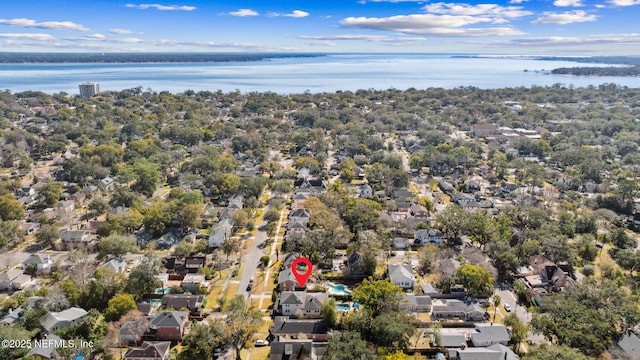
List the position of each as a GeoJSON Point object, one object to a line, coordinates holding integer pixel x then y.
{"type": "Point", "coordinates": [166, 290]}
{"type": "Point", "coordinates": [343, 307]}
{"type": "Point", "coordinates": [338, 289]}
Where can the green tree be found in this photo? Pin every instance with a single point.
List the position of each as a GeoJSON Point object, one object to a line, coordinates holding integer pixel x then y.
{"type": "Point", "coordinates": [201, 340]}
{"type": "Point", "coordinates": [241, 324]}
{"type": "Point", "coordinates": [118, 306]}
{"type": "Point", "coordinates": [156, 217]}
{"type": "Point", "coordinates": [378, 296]}
{"type": "Point", "coordinates": [52, 192]}
{"type": "Point", "coordinates": [143, 278]}
{"type": "Point", "coordinates": [10, 208]}
{"type": "Point", "coordinates": [329, 314]}
{"type": "Point", "coordinates": [147, 176]}
{"type": "Point", "coordinates": [117, 245]}
{"type": "Point", "coordinates": [392, 330]}
{"type": "Point", "coordinates": [475, 279]}
{"type": "Point", "coordinates": [98, 205]}
{"type": "Point", "coordinates": [362, 214]}
{"type": "Point", "coordinates": [47, 235]}
{"type": "Point", "coordinates": [183, 249]}
{"type": "Point", "coordinates": [496, 300]}
{"type": "Point", "coordinates": [517, 329]}
{"type": "Point", "coordinates": [347, 345]}
{"type": "Point", "coordinates": [14, 333]}
{"type": "Point", "coordinates": [453, 222]}
{"type": "Point", "coordinates": [554, 352]}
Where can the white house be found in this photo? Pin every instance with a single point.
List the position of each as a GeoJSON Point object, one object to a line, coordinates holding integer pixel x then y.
{"type": "Point", "coordinates": [309, 304]}
{"type": "Point", "coordinates": [489, 334]}
{"type": "Point", "coordinates": [13, 280]}
{"type": "Point", "coordinates": [38, 262]}
{"type": "Point", "coordinates": [401, 275]}
{"type": "Point", "coordinates": [428, 236]}
{"type": "Point", "coordinates": [221, 232]}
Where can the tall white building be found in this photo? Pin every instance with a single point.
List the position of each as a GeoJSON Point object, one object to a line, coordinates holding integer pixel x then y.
{"type": "Point", "coordinates": [89, 89]}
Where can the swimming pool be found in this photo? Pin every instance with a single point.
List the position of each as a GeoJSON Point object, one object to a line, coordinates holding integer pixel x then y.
{"type": "Point", "coordinates": [164, 291]}
{"type": "Point", "coordinates": [338, 289]}
{"type": "Point", "coordinates": [343, 307]}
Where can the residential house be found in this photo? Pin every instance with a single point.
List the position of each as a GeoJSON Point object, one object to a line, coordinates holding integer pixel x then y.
{"type": "Point", "coordinates": [400, 243]}
{"type": "Point", "coordinates": [473, 186]}
{"type": "Point", "coordinates": [73, 238]}
{"type": "Point", "coordinates": [236, 202]}
{"type": "Point", "coordinates": [401, 275]}
{"type": "Point", "coordinates": [489, 334]}
{"type": "Point", "coordinates": [168, 325]}
{"type": "Point", "coordinates": [457, 309]}
{"type": "Point", "coordinates": [428, 236]}
{"type": "Point", "coordinates": [107, 183]}
{"type": "Point", "coordinates": [544, 273]}
{"type": "Point", "coordinates": [628, 346]}
{"type": "Point", "coordinates": [418, 211]}
{"type": "Point", "coordinates": [446, 187]}
{"type": "Point", "coordinates": [13, 280]}
{"type": "Point", "coordinates": [355, 263]}
{"type": "Point", "coordinates": [461, 198]}
{"type": "Point", "coordinates": [494, 352]}
{"type": "Point", "coordinates": [417, 303]}
{"type": "Point", "coordinates": [508, 188]}
{"type": "Point", "coordinates": [193, 303]}
{"type": "Point", "coordinates": [193, 263]}
{"type": "Point", "coordinates": [297, 350]}
{"type": "Point", "coordinates": [149, 350]}
{"type": "Point", "coordinates": [78, 197]}
{"type": "Point", "coordinates": [118, 265]}
{"type": "Point", "coordinates": [452, 340]}
{"type": "Point", "coordinates": [285, 328]}
{"type": "Point", "coordinates": [168, 239]}
{"type": "Point", "coordinates": [65, 207]}
{"type": "Point", "coordinates": [54, 321]}
{"type": "Point", "coordinates": [37, 262]}
{"type": "Point", "coordinates": [294, 303]}
{"type": "Point", "coordinates": [300, 216]}
{"type": "Point", "coordinates": [288, 282]}
{"type": "Point", "coordinates": [366, 192]}
{"type": "Point", "coordinates": [29, 227]}
{"type": "Point", "coordinates": [483, 130]}
{"type": "Point", "coordinates": [191, 282]}
{"type": "Point", "coordinates": [221, 232]}
{"type": "Point", "coordinates": [45, 350]}
{"type": "Point", "coordinates": [12, 316]}
{"type": "Point", "coordinates": [132, 331]}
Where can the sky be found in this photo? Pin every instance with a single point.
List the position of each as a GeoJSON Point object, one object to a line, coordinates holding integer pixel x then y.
{"type": "Point", "coordinates": [519, 27]}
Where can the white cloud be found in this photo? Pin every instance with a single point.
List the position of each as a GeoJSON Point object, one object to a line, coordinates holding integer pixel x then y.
{"type": "Point", "coordinates": [320, 43]}
{"type": "Point", "coordinates": [161, 7]}
{"type": "Point", "coordinates": [569, 17]}
{"type": "Point", "coordinates": [52, 25]}
{"type": "Point", "coordinates": [297, 14]}
{"type": "Point", "coordinates": [244, 12]}
{"type": "Point", "coordinates": [38, 37]}
{"type": "Point", "coordinates": [517, 1]}
{"type": "Point", "coordinates": [493, 10]}
{"type": "Point", "coordinates": [362, 37]}
{"type": "Point", "coordinates": [430, 24]}
{"type": "Point", "coordinates": [564, 3]}
{"type": "Point", "coordinates": [293, 14]}
{"type": "Point", "coordinates": [624, 2]}
{"type": "Point", "coordinates": [122, 31]}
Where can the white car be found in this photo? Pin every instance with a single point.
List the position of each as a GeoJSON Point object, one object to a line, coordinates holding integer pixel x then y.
{"type": "Point", "coordinates": [507, 307]}
{"type": "Point", "coordinates": [261, 343]}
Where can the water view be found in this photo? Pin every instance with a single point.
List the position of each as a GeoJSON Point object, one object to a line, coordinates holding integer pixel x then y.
{"type": "Point", "coordinates": [296, 75]}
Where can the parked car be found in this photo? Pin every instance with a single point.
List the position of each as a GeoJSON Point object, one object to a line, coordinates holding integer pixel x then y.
{"type": "Point", "coordinates": [507, 307]}
{"type": "Point", "coordinates": [261, 343]}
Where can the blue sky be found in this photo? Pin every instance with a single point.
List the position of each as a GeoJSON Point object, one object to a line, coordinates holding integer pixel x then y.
{"type": "Point", "coordinates": [556, 27]}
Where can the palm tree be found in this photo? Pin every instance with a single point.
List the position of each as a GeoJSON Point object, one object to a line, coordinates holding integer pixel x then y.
{"type": "Point", "coordinates": [496, 302]}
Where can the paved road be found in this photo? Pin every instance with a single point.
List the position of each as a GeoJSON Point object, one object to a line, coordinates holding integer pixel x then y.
{"type": "Point", "coordinates": [251, 260]}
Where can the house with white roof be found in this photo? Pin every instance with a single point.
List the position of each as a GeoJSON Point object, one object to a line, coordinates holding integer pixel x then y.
{"type": "Point", "coordinates": [401, 275]}
{"type": "Point", "coordinates": [54, 321]}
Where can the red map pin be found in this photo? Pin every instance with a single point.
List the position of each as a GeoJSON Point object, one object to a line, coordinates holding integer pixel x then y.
{"type": "Point", "coordinates": [302, 278]}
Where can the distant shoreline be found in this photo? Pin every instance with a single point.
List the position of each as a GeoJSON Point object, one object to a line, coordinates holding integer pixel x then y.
{"type": "Point", "coordinates": [57, 58]}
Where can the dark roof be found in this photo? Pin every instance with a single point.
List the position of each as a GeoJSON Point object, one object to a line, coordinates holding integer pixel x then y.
{"type": "Point", "coordinates": [181, 301]}
{"type": "Point", "coordinates": [292, 350]}
{"type": "Point", "coordinates": [283, 325]}
{"type": "Point", "coordinates": [148, 349]}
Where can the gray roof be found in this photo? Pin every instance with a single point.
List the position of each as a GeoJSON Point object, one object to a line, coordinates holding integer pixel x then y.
{"type": "Point", "coordinates": [490, 332]}
{"type": "Point", "coordinates": [401, 273]}
{"type": "Point", "coordinates": [630, 343]}
{"type": "Point", "coordinates": [452, 340]}
{"type": "Point", "coordinates": [283, 325]}
{"type": "Point", "coordinates": [478, 354]}
{"type": "Point", "coordinates": [54, 318]}
{"type": "Point", "coordinates": [148, 349]}
{"type": "Point", "coordinates": [169, 319]}
{"type": "Point", "coordinates": [44, 351]}
{"type": "Point", "coordinates": [505, 352]}
{"type": "Point", "coordinates": [180, 301]}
